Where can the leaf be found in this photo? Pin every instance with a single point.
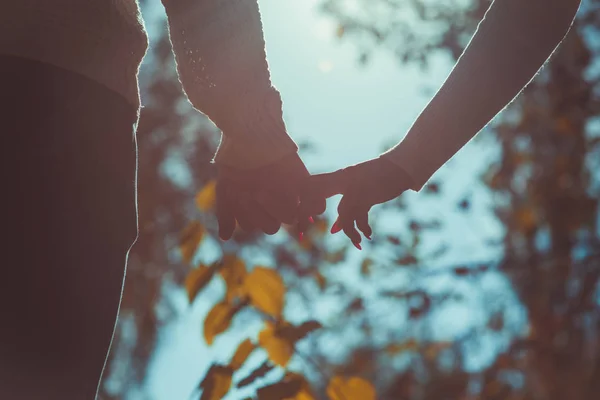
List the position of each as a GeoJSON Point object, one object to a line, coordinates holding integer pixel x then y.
{"type": "Point", "coordinates": [233, 272]}
{"type": "Point", "coordinates": [462, 271]}
{"type": "Point", "coordinates": [407, 260]}
{"type": "Point", "coordinates": [259, 372]}
{"type": "Point", "coordinates": [206, 198]}
{"type": "Point", "coordinates": [306, 328]}
{"type": "Point", "coordinates": [434, 349]}
{"type": "Point", "coordinates": [305, 392]}
{"type": "Point", "coordinates": [321, 281]}
{"type": "Point", "coordinates": [216, 383]}
{"type": "Point", "coordinates": [266, 290]}
{"type": "Point", "coordinates": [526, 219]}
{"type": "Point", "coordinates": [241, 354]}
{"type": "Point", "coordinates": [365, 267]}
{"type": "Point", "coordinates": [397, 348]}
{"type": "Point", "coordinates": [190, 238]}
{"type": "Point", "coordinates": [197, 279]}
{"type": "Point", "coordinates": [217, 321]}
{"type": "Point", "coordinates": [280, 349]}
{"type": "Point", "coordinates": [282, 390]}
{"type": "Point", "coordinates": [353, 388]}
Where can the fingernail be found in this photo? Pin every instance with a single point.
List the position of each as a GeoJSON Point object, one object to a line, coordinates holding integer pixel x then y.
{"type": "Point", "coordinates": [357, 245]}
{"type": "Point", "coordinates": [368, 237]}
{"type": "Point", "coordinates": [336, 228]}
{"type": "Point", "coordinates": [301, 236]}
{"type": "Point", "coordinates": [311, 220]}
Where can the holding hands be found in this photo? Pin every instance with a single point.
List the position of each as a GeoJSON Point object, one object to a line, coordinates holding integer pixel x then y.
{"type": "Point", "coordinates": [262, 199]}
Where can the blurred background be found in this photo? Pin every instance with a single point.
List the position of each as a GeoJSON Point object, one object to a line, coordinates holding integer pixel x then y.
{"type": "Point", "coordinates": [482, 286]}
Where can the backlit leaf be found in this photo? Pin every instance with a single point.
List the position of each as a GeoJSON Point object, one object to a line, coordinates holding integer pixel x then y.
{"type": "Point", "coordinates": [280, 349]}
{"type": "Point", "coordinates": [189, 240]}
{"type": "Point", "coordinates": [354, 388]}
{"type": "Point", "coordinates": [233, 272]}
{"type": "Point", "coordinates": [305, 392]}
{"type": "Point", "coordinates": [241, 354]}
{"type": "Point", "coordinates": [283, 390]}
{"type": "Point", "coordinates": [216, 383]}
{"type": "Point", "coordinates": [217, 321]}
{"type": "Point", "coordinates": [396, 348]}
{"type": "Point", "coordinates": [206, 198]}
{"type": "Point", "coordinates": [259, 372]}
{"type": "Point", "coordinates": [266, 290]}
{"type": "Point", "coordinates": [197, 279]}
{"type": "Point", "coordinates": [365, 266]}
{"type": "Point", "coordinates": [321, 281]}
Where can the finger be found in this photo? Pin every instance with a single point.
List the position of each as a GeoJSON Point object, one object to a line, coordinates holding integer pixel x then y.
{"type": "Point", "coordinates": [243, 214]}
{"type": "Point", "coordinates": [311, 206]}
{"type": "Point", "coordinates": [261, 218]}
{"type": "Point", "coordinates": [225, 210]}
{"type": "Point", "coordinates": [281, 206]}
{"type": "Point", "coordinates": [347, 215]}
{"type": "Point", "coordinates": [303, 224]}
{"type": "Point", "coordinates": [362, 222]}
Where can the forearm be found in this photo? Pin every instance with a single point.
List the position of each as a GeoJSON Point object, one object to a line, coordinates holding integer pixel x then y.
{"type": "Point", "coordinates": [510, 45]}
{"type": "Point", "coordinates": [221, 63]}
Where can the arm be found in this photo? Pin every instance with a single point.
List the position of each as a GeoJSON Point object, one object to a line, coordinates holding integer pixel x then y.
{"type": "Point", "coordinates": [510, 45]}
{"type": "Point", "coordinates": [221, 62]}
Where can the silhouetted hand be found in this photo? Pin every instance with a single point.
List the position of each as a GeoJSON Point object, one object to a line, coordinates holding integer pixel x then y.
{"type": "Point", "coordinates": [363, 185]}
{"type": "Point", "coordinates": [261, 198]}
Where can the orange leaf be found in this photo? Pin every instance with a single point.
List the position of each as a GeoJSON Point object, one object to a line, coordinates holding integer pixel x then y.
{"type": "Point", "coordinates": [266, 290]}
{"type": "Point", "coordinates": [353, 388]}
{"type": "Point", "coordinates": [396, 348]}
{"type": "Point", "coordinates": [241, 354]}
{"type": "Point", "coordinates": [206, 198]}
{"type": "Point", "coordinates": [189, 240]}
{"type": "Point", "coordinates": [197, 279]}
{"type": "Point", "coordinates": [216, 383]}
{"type": "Point", "coordinates": [233, 272]}
{"type": "Point", "coordinates": [279, 349]}
{"type": "Point", "coordinates": [217, 321]}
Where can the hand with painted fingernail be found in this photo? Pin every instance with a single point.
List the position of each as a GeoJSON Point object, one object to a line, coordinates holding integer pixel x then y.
{"type": "Point", "coordinates": [259, 199]}
{"type": "Point", "coordinates": [362, 185]}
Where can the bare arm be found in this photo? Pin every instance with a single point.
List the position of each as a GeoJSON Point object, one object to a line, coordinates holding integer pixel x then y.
{"type": "Point", "coordinates": [221, 62]}
{"type": "Point", "coordinates": [512, 42]}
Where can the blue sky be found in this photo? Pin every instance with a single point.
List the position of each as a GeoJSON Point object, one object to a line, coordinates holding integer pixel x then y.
{"type": "Point", "coordinates": [348, 113]}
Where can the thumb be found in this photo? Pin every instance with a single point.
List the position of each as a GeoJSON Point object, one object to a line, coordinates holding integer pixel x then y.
{"type": "Point", "coordinates": [317, 188]}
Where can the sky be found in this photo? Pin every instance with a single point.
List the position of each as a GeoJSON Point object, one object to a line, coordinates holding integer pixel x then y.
{"type": "Point", "coordinates": [348, 113]}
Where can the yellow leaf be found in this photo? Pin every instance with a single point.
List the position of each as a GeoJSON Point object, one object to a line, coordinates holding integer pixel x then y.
{"type": "Point", "coordinates": [305, 392]}
{"type": "Point", "coordinates": [365, 266]}
{"type": "Point", "coordinates": [206, 198]}
{"type": "Point", "coordinates": [279, 349]}
{"type": "Point", "coordinates": [395, 348]}
{"type": "Point", "coordinates": [233, 272]}
{"type": "Point", "coordinates": [353, 388]}
{"type": "Point", "coordinates": [216, 383]}
{"type": "Point", "coordinates": [434, 349]}
{"type": "Point", "coordinates": [321, 281]}
{"type": "Point", "coordinates": [196, 280]}
{"type": "Point", "coordinates": [189, 240]}
{"type": "Point", "coordinates": [217, 321]}
{"type": "Point", "coordinates": [241, 354]}
{"type": "Point", "coordinates": [266, 290]}
{"type": "Point", "coordinates": [526, 218]}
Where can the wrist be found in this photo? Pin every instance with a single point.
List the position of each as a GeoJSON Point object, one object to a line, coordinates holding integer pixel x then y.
{"type": "Point", "coordinates": [255, 135]}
